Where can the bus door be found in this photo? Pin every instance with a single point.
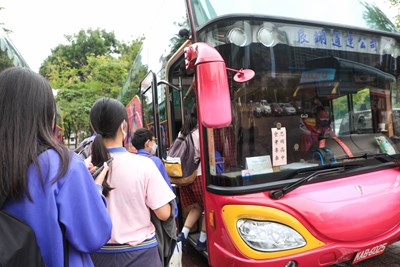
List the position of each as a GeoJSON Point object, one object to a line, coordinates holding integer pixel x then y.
{"type": "Point", "coordinates": [150, 109]}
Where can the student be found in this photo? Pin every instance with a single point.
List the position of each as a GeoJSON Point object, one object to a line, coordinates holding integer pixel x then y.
{"type": "Point", "coordinates": [146, 144]}
{"type": "Point", "coordinates": [53, 189]}
{"type": "Point", "coordinates": [192, 194]}
{"type": "Point", "coordinates": [133, 187]}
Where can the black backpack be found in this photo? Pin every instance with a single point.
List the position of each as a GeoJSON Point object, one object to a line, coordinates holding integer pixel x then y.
{"type": "Point", "coordinates": [18, 246]}
{"type": "Point", "coordinates": [185, 172]}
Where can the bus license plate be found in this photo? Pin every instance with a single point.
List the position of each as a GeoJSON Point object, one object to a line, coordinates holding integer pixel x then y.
{"type": "Point", "coordinates": [369, 253]}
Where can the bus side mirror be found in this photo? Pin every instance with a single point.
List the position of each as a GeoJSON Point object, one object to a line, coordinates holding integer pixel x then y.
{"type": "Point", "coordinates": [214, 101]}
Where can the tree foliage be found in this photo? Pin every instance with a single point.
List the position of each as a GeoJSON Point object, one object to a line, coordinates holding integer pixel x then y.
{"type": "Point", "coordinates": [2, 25]}
{"type": "Point", "coordinates": [376, 19]}
{"type": "Point", "coordinates": [92, 64]}
{"type": "Point", "coordinates": [395, 4]}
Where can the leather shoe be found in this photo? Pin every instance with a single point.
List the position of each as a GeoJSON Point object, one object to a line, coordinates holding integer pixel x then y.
{"type": "Point", "coordinates": [181, 238]}
{"type": "Point", "coordinates": [201, 246]}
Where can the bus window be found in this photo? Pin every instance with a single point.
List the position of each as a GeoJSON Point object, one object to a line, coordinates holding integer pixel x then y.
{"type": "Point", "coordinates": [358, 121]}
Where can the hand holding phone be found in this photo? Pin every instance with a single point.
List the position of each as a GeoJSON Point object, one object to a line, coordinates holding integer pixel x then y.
{"type": "Point", "coordinates": [100, 169]}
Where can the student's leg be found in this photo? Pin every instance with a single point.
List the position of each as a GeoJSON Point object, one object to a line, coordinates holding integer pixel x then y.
{"type": "Point", "coordinates": [189, 196]}
{"type": "Point", "coordinates": [201, 243]}
{"type": "Point", "coordinates": [193, 216]}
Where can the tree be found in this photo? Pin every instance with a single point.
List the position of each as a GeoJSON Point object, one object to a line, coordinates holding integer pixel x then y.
{"type": "Point", "coordinates": [395, 4]}
{"type": "Point", "coordinates": [6, 30]}
{"type": "Point", "coordinates": [75, 54]}
{"type": "Point", "coordinates": [376, 19]}
{"type": "Point", "coordinates": [93, 64]}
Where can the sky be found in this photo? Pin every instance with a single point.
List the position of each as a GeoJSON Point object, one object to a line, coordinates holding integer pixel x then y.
{"type": "Point", "coordinates": [40, 25]}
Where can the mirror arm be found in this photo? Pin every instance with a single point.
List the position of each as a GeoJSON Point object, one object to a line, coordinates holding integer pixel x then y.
{"type": "Point", "coordinates": [238, 71]}
{"type": "Point", "coordinates": [189, 90]}
{"type": "Point", "coordinates": [169, 84]}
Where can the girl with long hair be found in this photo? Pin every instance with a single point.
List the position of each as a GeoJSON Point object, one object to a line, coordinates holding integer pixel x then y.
{"type": "Point", "coordinates": [43, 183]}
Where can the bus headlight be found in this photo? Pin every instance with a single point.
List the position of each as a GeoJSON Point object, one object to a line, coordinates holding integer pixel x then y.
{"type": "Point", "coordinates": [269, 236]}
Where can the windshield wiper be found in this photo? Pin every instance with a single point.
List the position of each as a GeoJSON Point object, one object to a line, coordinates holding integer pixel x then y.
{"type": "Point", "coordinates": [277, 194]}
{"type": "Point", "coordinates": [392, 158]}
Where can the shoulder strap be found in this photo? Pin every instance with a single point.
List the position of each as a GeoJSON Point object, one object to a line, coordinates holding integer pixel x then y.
{"type": "Point", "coordinates": [346, 149]}
{"type": "Point", "coordinates": [191, 138]}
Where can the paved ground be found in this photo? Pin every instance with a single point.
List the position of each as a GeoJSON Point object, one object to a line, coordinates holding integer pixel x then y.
{"type": "Point", "coordinates": [192, 258]}
{"type": "Point", "coordinates": [391, 258]}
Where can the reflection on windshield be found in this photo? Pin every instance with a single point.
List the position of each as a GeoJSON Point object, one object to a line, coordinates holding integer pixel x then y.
{"type": "Point", "coordinates": [306, 107]}
{"type": "Point", "coordinates": [348, 12]}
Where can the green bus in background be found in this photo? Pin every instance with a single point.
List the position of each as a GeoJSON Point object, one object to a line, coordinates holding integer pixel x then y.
{"type": "Point", "coordinates": [9, 55]}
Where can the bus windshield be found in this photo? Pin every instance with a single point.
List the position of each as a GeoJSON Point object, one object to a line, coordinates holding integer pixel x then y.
{"type": "Point", "coordinates": [320, 95]}
{"type": "Point", "coordinates": [355, 14]}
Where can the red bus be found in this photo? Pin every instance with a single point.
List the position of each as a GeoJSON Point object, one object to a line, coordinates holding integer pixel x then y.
{"type": "Point", "coordinates": [310, 144]}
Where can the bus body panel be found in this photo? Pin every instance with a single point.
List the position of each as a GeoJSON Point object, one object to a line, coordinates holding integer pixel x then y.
{"type": "Point", "coordinates": [337, 213]}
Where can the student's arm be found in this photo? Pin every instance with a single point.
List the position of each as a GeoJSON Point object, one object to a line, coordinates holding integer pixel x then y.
{"type": "Point", "coordinates": [82, 210]}
{"type": "Point", "coordinates": [164, 212]}
{"type": "Point", "coordinates": [158, 193]}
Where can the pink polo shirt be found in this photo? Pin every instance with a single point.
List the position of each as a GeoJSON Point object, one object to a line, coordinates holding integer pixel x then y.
{"type": "Point", "coordinates": [138, 187]}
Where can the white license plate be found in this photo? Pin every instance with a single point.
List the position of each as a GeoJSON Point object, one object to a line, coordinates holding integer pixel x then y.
{"type": "Point", "coordinates": [369, 253]}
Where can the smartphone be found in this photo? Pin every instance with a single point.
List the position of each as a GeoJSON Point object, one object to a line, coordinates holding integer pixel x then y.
{"type": "Point", "coordinates": [99, 169]}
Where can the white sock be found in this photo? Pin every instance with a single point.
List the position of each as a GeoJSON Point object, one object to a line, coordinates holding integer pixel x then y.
{"type": "Point", "coordinates": [203, 237]}
{"type": "Point", "coordinates": [185, 231]}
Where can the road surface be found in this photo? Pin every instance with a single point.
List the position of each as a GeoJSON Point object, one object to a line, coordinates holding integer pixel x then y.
{"type": "Point", "coordinates": [391, 258]}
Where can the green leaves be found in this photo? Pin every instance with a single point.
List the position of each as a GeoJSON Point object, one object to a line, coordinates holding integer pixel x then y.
{"type": "Point", "coordinates": [93, 64]}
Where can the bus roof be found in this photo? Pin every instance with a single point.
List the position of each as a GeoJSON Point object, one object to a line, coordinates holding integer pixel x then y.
{"type": "Point", "coordinates": [352, 13]}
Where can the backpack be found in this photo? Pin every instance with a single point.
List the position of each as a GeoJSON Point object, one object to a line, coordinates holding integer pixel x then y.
{"type": "Point", "coordinates": [180, 163]}
{"type": "Point", "coordinates": [85, 147]}
{"type": "Point", "coordinates": [18, 244]}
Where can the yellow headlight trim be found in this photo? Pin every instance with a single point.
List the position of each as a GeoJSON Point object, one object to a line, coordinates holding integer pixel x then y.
{"type": "Point", "coordinates": [232, 213]}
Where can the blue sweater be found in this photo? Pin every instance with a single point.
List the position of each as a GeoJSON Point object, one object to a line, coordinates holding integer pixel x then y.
{"type": "Point", "coordinates": [73, 200]}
